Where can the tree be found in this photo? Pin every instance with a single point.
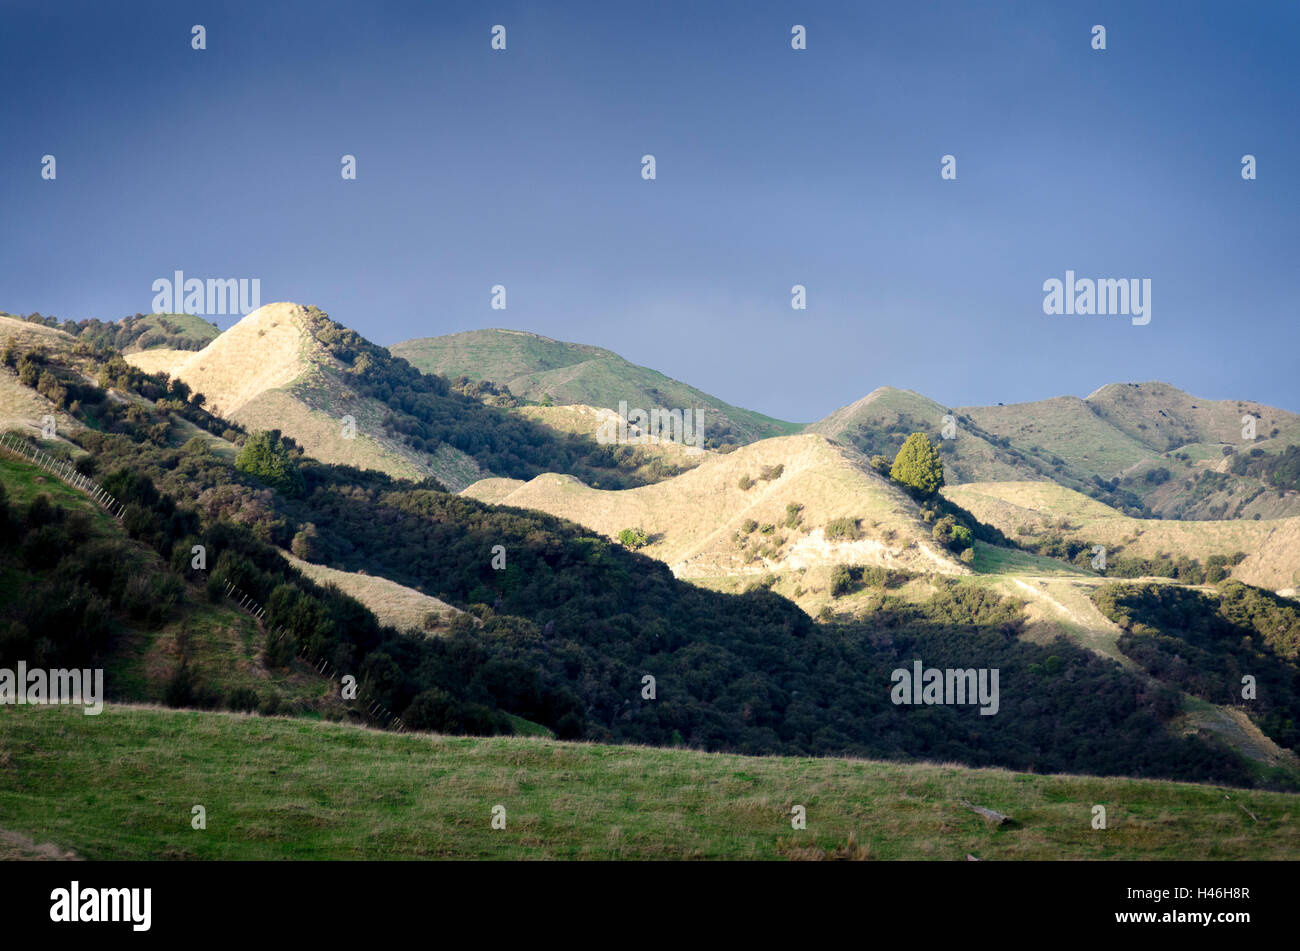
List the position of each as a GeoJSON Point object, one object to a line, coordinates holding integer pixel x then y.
{"type": "Point", "coordinates": [634, 538]}
{"type": "Point", "coordinates": [918, 466]}
{"type": "Point", "coordinates": [265, 457]}
{"type": "Point", "coordinates": [306, 544]}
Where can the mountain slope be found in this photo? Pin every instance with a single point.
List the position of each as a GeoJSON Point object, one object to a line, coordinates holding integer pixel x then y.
{"type": "Point", "coordinates": [348, 402]}
{"type": "Point", "coordinates": [537, 368]}
{"type": "Point", "coordinates": [269, 372]}
{"type": "Point", "coordinates": [1145, 448]}
{"type": "Point", "coordinates": [1035, 510]}
{"type": "Point", "coordinates": [696, 521]}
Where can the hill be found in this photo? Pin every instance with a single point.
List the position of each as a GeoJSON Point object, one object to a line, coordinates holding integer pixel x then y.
{"type": "Point", "coordinates": [1039, 512]}
{"type": "Point", "coordinates": [541, 369]}
{"type": "Point", "coordinates": [158, 635]}
{"type": "Point", "coordinates": [291, 789]}
{"type": "Point", "coordinates": [269, 372]}
{"type": "Point", "coordinates": [878, 423]}
{"type": "Point", "coordinates": [1147, 449]}
{"type": "Point", "coordinates": [347, 402]}
{"type": "Point", "coordinates": [572, 623]}
{"type": "Point", "coordinates": [704, 525]}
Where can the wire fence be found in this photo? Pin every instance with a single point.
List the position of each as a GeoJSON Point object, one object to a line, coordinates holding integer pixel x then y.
{"type": "Point", "coordinates": [322, 666]}
{"type": "Point", "coordinates": [64, 471]}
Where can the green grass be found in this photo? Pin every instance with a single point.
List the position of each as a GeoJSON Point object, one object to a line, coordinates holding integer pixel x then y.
{"type": "Point", "coordinates": [534, 367]}
{"type": "Point", "coordinates": [194, 328]}
{"type": "Point", "coordinates": [122, 786]}
{"type": "Point", "coordinates": [23, 481]}
{"type": "Point", "coordinates": [994, 560]}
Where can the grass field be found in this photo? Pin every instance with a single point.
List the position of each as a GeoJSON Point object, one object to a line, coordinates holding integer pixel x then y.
{"type": "Point", "coordinates": [122, 786]}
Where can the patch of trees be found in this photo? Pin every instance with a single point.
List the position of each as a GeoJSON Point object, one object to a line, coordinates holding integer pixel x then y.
{"type": "Point", "coordinates": [1206, 644]}
{"type": "Point", "coordinates": [846, 579]}
{"type": "Point", "coordinates": [144, 331]}
{"type": "Point", "coordinates": [1279, 470]}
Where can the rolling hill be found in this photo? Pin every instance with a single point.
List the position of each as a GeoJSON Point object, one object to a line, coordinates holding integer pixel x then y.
{"type": "Point", "coordinates": [1148, 449]}
{"type": "Point", "coordinates": [699, 522]}
{"type": "Point", "coordinates": [268, 371]}
{"type": "Point", "coordinates": [541, 369]}
{"type": "Point", "coordinates": [1033, 510]}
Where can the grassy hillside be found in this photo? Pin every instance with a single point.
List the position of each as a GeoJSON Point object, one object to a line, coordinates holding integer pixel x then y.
{"type": "Point", "coordinates": [1148, 449]}
{"type": "Point", "coordinates": [541, 369]}
{"type": "Point", "coordinates": [397, 605]}
{"type": "Point", "coordinates": [1032, 511]}
{"type": "Point", "coordinates": [704, 525]}
{"type": "Point", "coordinates": [150, 632]}
{"type": "Point", "coordinates": [291, 368]}
{"type": "Point", "coordinates": [1164, 417]}
{"type": "Point", "coordinates": [137, 332]}
{"type": "Point", "coordinates": [878, 423]}
{"type": "Point", "coordinates": [294, 789]}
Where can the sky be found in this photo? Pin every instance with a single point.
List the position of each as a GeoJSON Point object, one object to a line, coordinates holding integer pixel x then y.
{"type": "Point", "coordinates": [774, 167]}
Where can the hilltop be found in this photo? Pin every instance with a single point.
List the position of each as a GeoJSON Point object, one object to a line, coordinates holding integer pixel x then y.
{"type": "Point", "coordinates": [1148, 449]}
{"type": "Point", "coordinates": [541, 369]}
{"type": "Point", "coordinates": [347, 402]}
{"type": "Point", "coordinates": [1033, 512]}
{"type": "Point", "coordinates": [268, 371]}
{"type": "Point", "coordinates": [705, 525]}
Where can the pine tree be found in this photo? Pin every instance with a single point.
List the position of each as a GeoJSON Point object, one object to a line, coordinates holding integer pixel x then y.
{"type": "Point", "coordinates": [918, 466]}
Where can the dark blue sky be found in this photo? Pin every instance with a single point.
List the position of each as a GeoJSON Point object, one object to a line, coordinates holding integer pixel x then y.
{"type": "Point", "coordinates": [775, 167]}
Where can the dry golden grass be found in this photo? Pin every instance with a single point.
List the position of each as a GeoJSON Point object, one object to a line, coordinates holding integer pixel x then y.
{"type": "Point", "coordinates": [268, 349]}
{"type": "Point", "coordinates": [695, 519]}
{"type": "Point", "coordinates": [1272, 546]}
{"type": "Point", "coordinates": [268, 372]}
{"type": "Point", "coordinates": [395, 604]}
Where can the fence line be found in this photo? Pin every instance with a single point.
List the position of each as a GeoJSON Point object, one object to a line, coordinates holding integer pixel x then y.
{"type": "Point", "coordinates": [321, 666]}
{"type": "Point", "coordinates": [64, 471]}
{"type": "Point", "coordinates": [67, 473]}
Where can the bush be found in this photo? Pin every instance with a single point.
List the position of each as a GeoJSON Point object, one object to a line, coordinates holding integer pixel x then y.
{"type": "Point", "coordinates": [952, 535]}
{"type": "Point", "coordinates": [243, 699]}
{"type": "Point", "coordinates": [843, 528]}
{"type": "Point", "coordinates": [745, 483]}
{"type": "Point", "coordinates": [634, 538]}
{"type": "Point", "coordinates": [306, 544]}
{"type": "Point", "coordinates": [748, 526]}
